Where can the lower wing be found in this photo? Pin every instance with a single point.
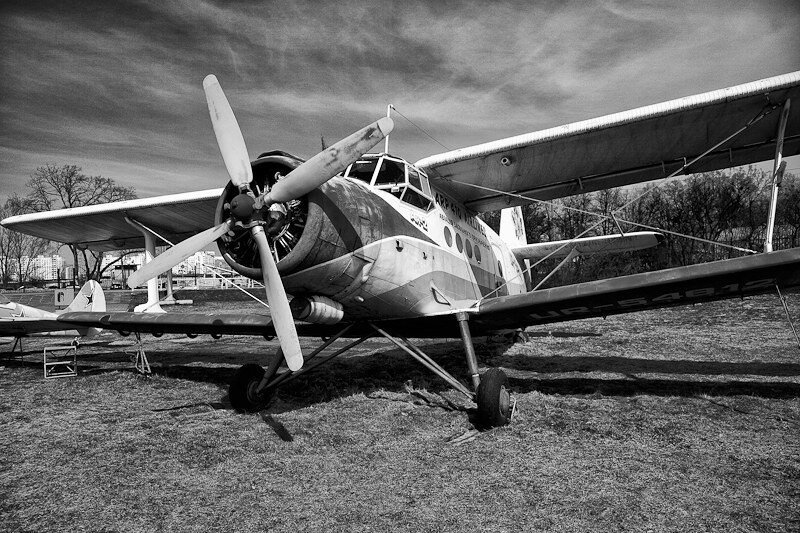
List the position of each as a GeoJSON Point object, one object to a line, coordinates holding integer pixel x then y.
{"type": "Point", "coordinates": [719, 280]}
{"type": "Point", "coordinates": [731, 278]}
{"type": "Point", "coordinates": [25, 326]}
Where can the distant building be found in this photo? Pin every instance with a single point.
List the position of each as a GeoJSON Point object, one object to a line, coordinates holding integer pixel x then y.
{"type": "Point", "coordinates": [42, 267]}
{"type": "Point", "coordinates": [196, 264]}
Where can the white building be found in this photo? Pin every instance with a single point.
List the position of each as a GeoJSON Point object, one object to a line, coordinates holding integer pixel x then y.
{"type": "Point", "coordinates": [44, 267]}
{"type": "Point", "coordinates": [196, 264]}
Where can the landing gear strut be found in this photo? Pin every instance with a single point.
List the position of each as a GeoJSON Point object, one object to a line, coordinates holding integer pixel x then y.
{"type": "Point", "coordinates": [253, 387]}
{"type": "Point", "coordinates": [491, 392]}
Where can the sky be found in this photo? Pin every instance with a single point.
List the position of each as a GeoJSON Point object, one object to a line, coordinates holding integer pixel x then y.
{"type": "Point", "coordinates": [116, 87]}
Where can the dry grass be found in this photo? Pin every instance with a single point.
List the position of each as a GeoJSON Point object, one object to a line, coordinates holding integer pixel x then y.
{"type": "Point", "coordinates": [678, 420]}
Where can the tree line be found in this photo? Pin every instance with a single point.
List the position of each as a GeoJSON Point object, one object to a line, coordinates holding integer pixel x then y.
{"type": "Point", "coordinates": [728, 207]}
{"type": "Point", "coordinates": [54, 187]}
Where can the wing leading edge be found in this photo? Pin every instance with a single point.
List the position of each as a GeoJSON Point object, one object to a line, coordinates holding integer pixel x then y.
{"type": "Point", "coordinates": [104, 227]}
{"type": "Point", "coordinates": [634, 146]}
{"type": "Point", "coordinates": [719, 280]}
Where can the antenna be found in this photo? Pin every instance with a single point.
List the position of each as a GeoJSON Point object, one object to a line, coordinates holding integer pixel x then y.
{"type": "Point", "coordinates": [386, 140]}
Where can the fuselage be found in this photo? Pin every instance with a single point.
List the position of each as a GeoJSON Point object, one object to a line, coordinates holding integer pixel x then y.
{"type": "Point", "coordinates": [384, 244]}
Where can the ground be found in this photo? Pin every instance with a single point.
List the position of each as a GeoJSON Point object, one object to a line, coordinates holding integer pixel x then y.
{"type": "Point", "coordinates": [674, 420]}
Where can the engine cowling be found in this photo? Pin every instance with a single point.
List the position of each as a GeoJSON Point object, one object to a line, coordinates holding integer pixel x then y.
{"type": "Point", "coordinates": [338, 218]}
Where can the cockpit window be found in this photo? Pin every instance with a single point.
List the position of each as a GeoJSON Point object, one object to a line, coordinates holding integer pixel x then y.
{"type": "Point", "coordinates": [391, 173]}
{"type": "Point", "coordinates": [362, 170]}
{"type": "Point", "coordinates": [394, 176]}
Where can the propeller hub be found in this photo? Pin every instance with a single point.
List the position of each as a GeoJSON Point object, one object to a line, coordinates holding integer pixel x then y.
{"type": "Point", "coordinates": [242, 206]}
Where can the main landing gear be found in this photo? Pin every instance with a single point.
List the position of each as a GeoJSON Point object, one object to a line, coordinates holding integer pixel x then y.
{"type": "Point", "coordinates": [253, 387]}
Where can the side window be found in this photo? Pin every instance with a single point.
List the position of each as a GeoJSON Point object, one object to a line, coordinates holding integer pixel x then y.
{"type": "Point", "coordinates": [416, 195]}
{"type": "Point", "coordinates": [416, 199]}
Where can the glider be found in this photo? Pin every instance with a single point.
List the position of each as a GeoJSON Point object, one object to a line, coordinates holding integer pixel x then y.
{"type": "Point", "coordinates": [18, 320]}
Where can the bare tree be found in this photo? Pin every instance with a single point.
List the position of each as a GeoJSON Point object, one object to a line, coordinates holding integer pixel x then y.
{"type": "Point", "coordinates": [18, 249]}
{"type": "Point", "coordinates": [788, 213]}
{"type": "Point", "coordinates": [54, 187]}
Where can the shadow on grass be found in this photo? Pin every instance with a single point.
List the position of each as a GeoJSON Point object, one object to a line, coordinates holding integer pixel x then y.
{"type": "Point", "coordinates": [384, 369]}
{"type": "Point", "coordinates": [629, 365]}
{"type": "Point", "coordinates": [655, 387]}
{"type": "Point", "coordinates": [391, 369]}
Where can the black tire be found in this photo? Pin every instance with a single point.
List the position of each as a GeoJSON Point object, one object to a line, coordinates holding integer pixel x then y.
{"type": "Point", "coordinates": [493, 399]}
{"type": "Point", "coordinates": [242, 390]}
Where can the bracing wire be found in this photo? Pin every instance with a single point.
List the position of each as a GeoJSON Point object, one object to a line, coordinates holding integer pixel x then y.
{"type": "Point", "coordinates": [420, 129]}
{"type": "Point", "coordinates": [763, 113]}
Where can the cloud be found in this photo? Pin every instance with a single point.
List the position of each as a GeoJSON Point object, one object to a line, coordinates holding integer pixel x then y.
{"type": "Point", "coordinates": [117, 85]}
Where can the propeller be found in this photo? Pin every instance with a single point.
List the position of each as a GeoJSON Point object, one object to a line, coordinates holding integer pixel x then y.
{"type": "Point", "coordinates": [229, 136]}
{"type": "Point", "coordinates": [326, 164]}
{"type": "Point", "coordinates": [300, 181]}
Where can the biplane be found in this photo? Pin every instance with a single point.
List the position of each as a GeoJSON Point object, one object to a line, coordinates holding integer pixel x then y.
{"type": "Point", "coordinates": [369, 244]}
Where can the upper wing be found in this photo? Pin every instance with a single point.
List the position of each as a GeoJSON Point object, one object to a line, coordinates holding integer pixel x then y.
{"type": "Point", "coordinates": [630, 147]}
{"type": "Point", "coordinates": [103, 227]}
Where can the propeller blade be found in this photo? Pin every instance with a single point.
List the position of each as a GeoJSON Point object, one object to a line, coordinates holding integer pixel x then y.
{"type": "Point", "coordinates": [229, 136]}
{"type": "Point", "coordinates": [176, 254]}
{"type": "Point", "coordinates": [328, 163]}
{"type": "Point", "coordinates": [278, 303]}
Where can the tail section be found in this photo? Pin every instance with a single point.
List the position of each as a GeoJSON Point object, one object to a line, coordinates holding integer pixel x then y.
{"type": "Point", "coordinates": [512, 232]}
{"type": "Point", "coordinates": [89, 298]}
{"type": "Point", "coordinates": [512, 227]}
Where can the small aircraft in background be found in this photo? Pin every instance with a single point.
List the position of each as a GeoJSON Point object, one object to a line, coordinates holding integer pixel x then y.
{"type": "Point", "coordinates": [369, 244]}
{"type": "Point", "coordinates": [18, 320]}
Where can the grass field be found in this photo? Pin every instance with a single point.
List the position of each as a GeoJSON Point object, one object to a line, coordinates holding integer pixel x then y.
{"type": "Point", "coordinates": [677, 420]}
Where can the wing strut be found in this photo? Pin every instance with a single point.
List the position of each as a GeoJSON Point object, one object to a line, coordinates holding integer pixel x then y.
{"type": "Point", "coordinates": [777, 174]}
{"type": "Point", "coordinates": [152, 304]}
{"type": "Point", "coordinates": [788, 314]}
{"type": "Point", "coordinates": [766, 110]}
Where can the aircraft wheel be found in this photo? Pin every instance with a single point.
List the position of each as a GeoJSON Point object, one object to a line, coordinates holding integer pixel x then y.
{"type": "Point", "coordinates": [242, 390]}
{"type": "Point", "coordinates": [493, 398]}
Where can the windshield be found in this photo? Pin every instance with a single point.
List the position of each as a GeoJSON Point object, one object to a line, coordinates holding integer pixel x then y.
{"type": "Point", "coordinates": [362, 170]}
